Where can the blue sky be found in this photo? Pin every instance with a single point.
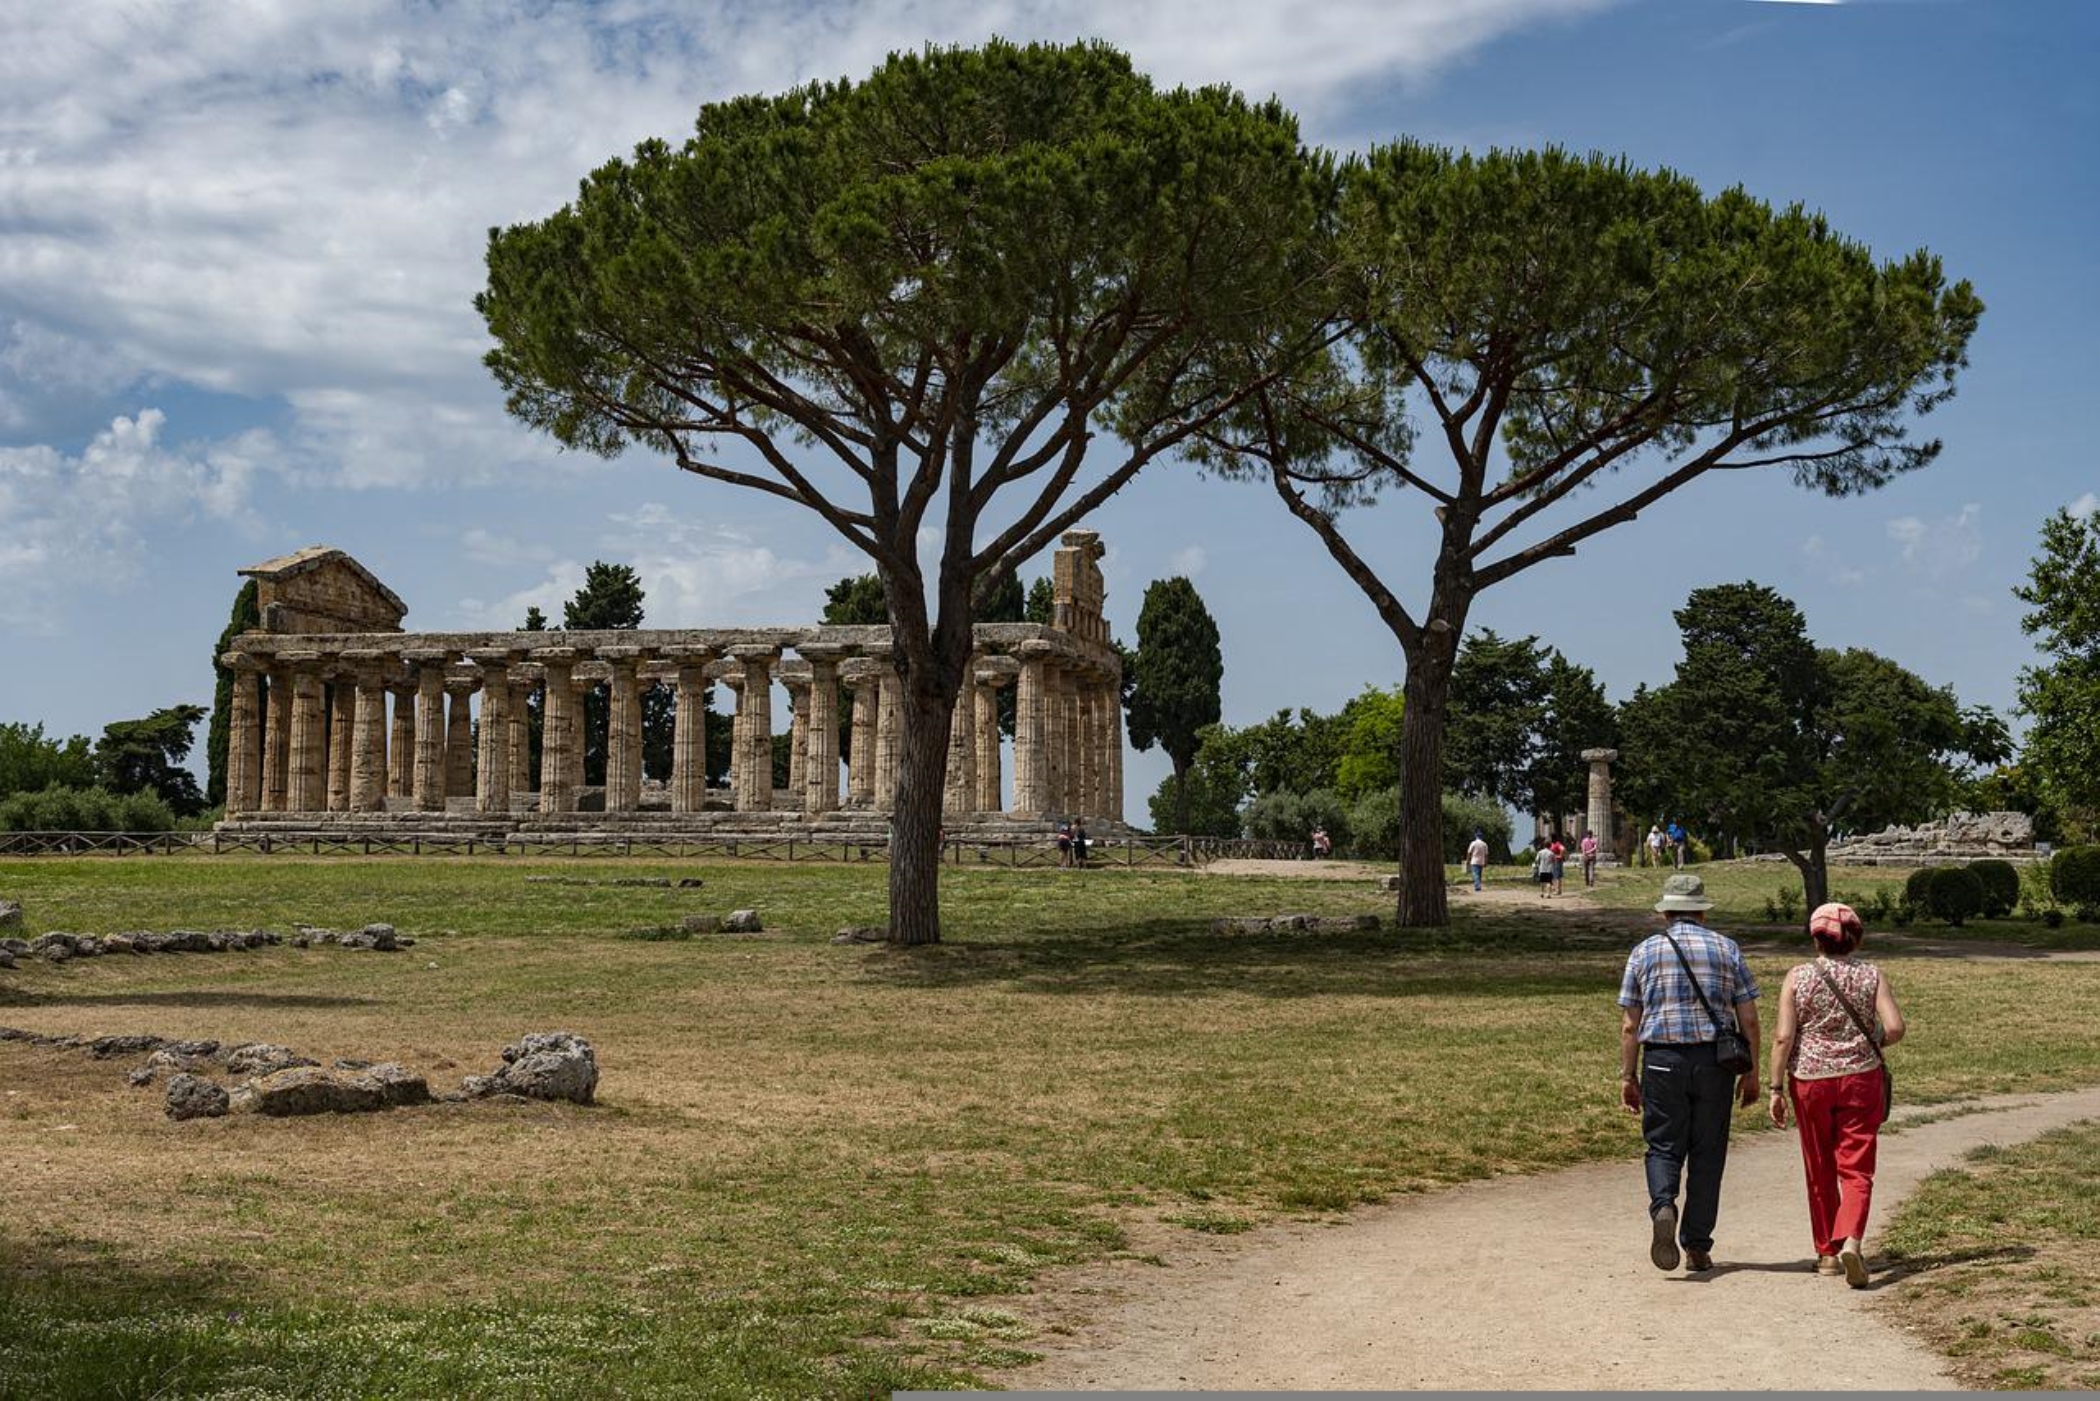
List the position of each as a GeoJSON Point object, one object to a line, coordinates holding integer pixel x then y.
{"type": "Point", "coordinates": [238, 246]}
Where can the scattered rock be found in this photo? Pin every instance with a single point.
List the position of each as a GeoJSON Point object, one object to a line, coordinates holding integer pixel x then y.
{"type": "Point", "coordinates": [308, 1089]}
{"type": "Point", "coordinates": [56, 953]}
{"type": "Point", "coordinates": [651, 882]}
{"type": "Point", "coordinates": [1390, 884]}
{"type": "Point", "coordinates": [742, 922]}
{"type": "Point", "coordinates": [861, 934]}
{"type": "Point", "coordinates": [544, 1065]}
{"type": "Point", "coordinates": [348, 1063]}
{"type": "Point", "coordinates": [690, 883]}
{"type": "Point", "coordinates": [142, 1077]}
{"type": "Point", "coordinates": [118, 943]}
{"type": "Point", "coordinates": [18, 947]}
{"type": "Point", "coordinates": [397, 1085]}
{"type": "Point", "coordinates": [1297, 924]}
{"type": "Point", "coordinates": [110, 1047]}
{"type": "Point", "coordinates": [192, 1097]}
{"type": "Point", "coordinates": [7, 958]}
{"type": "Point", "coordinates": [261, 1058]}
{"type": "Point", "coordinates": [193, 1048]}
{"type": "Point", "coordinates": [700, 924]}
{"type": "Point", "coordinates": [10, 914]}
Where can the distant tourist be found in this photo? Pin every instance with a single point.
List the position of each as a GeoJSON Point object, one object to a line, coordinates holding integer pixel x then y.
{"type": "Point", "coordinates": [1683, 988]}
{"type": "Point", "coordinates": [1679, 839]}
{"type": "Point", "coordinates": [1477, 858]}
{"type": "Point", "coordinates": [1836, 1016]}
{"type": "Point", "coordinates": [1542, 870]}
{"type": "Point", "coordinates": [1064, 843]}
{"type": "Point", "coordinates": [1322, 844]}
{"type": "Point", "coordinates": [1560, 863]}
{"type": "Point", "coordinates": [1655, 845]}
{"type": "Point", "coordinates": [1078, 841]}
{"type": "Point", "coordinates": [1589, 857]}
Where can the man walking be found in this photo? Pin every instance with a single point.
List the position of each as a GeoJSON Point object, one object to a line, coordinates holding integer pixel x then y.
{"type": "Point", "coordinates": [1678, 838]}
{"type": "Point", "coordinates": [1589, 857]}
{"type": "Point", "coordinates": [1477, 857]}
{"type": "Point", "coordinates": [1670, 1074]}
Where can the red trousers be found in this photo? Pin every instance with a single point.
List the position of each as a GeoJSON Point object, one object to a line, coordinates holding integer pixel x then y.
{"type": "Point", "coordinates": [1840, 1123]}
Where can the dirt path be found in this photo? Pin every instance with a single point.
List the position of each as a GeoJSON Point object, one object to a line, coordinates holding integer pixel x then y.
{"type": "Point", "coordinates": [1527, 1283]}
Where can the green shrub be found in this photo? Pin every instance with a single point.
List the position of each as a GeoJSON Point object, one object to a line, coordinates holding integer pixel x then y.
{"type": "Point", "coordinates": [1291, 817]}
{"type": "Point", "coordinates": [1784, 907]}
{"type": "Point", "coordinates": [1903, 914]}
{"type": "Point", "coordinates": [1373, 825]}
{"type": "Point", "coordinates": [1914, 889]}
{"type": "Point", "coordinates": [2054, 918]}
{"type": "Point", "coordinates": [1696, 852]}
{"type": "Point", "coordinates": [2001, 887]}
{"type": "Point", "coordinates": [58, 809]}
{"type": "Point", "coordinates": [1953, 894]}
{"type": "Point", "coordinates": [2074, 875]}
{"type": "Point", "coordinates": [1465, 815]}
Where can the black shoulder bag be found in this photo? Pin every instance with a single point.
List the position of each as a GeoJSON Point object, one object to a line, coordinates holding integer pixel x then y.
{"type": "Point", "coordinates": [1730, 1049]}
{"type": "Point", "coordinates": [1888, 1080]}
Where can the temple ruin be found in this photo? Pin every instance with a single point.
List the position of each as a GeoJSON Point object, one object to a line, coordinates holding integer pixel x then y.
{"type": "Point", "coordinates": [342, 721]}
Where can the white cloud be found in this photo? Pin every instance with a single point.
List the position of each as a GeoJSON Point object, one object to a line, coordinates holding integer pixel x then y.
{"type": "Point", "coordinates": [79, 521]}
{"type": "Point", "coordinates": [1190, 561]}
{"type": "Point", "coordinates": [1939, 547]}
{"type": "Point", "coordinates": [2084, 506]}
{"type": "Point", "coordinates": [1834, 565]}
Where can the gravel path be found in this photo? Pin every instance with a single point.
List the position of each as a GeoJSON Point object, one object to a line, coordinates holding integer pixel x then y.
{"type": "Point", "coordinates": [1526, 1283]}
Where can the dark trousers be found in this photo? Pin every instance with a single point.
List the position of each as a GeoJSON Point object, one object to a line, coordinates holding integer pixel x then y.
{"type": "Point", "coordinates": [1686, 1102]}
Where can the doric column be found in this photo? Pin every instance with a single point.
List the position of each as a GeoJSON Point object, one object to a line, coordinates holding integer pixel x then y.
{"type": "Point", "coordinates": [1114, 740]}
{"type": "Point", "coordinates": [308, 790]}
{"type": "Point", "coordinates": [798, 734]}
{"type": "Point", "coordinates": [689, 731]}
{"type": "Point", "coordinates": [368, 733]}
{"type": "Point", "coordinates": [1057, 693]}
{"type": "Point", "coordinates": [889, 734]}
{"type": "Point", "coordinates": [557, 728]}
{"type": "Point", "coordinates": [517, 695]}
{"type": "Point", "coordinates": [959, 790]}
{"type": "Point", "coordinates": [459, 736]}
{"type": "Point", "coordinates": [342, 722]}
{"type": "Point", "coordinates": [754, 728]}
{"type": "Point", "coordinates": [1600, 762]}
{"type": "Point", "coordinates": [988, 676]}
{"type": "Point", "coordinates": [492, 759]}
{"type": "Point", "coordinates": [623, 731]}
{"type": "Point", "coordinates": [430, 729]}
{"type": "Point", "coordinates": [865, 684]}
{"type": "Point", "coordinates": [401, 748]}
{"type": "Point", "coordinates": [820, 759]}
{"type": "Point", "coordinates": [1031, 725]}
{"type": "Point", "coordinates": [277, 738]}
{"type": "Point", "coordinates": [579, 692]}
{"type": "Point", "coordinates": [733, 683]}
{"type": "Point", "coordinates": [243, 738]}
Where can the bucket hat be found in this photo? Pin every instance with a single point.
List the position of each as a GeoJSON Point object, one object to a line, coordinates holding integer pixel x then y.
{"type": "Point", "coordinates": [1683, 894]}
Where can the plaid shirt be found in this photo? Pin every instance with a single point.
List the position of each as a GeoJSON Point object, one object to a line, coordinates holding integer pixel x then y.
{"type": "Point", "coordinates": [1655, 984]}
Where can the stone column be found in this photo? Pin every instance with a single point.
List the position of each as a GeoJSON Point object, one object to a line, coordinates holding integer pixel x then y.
{"type": "Point", "coordinates": [401, 750]}
{"type": "Point", "coordinates": [1600, 762]}
{"type": "Point", "coordinates": [492, 761]}
{"type": "Point", "coordinates": [820, 759]}
{"type": "Point", "coordinates": [277, 739]}
{"type": "Point", "coordinates": [308, 782]}
{"type": "Point", "coordinates": [754, 729]}
{"type": "Point", "coordinates": [1114, 741]}
{"type": "Point", "coordinates": [889, 735]}
{"type": "Point", "coordinates": [988, 677]}
{"type": "Point", "coordinates": [368, 734]}
{"type": "Point", "coordinates": [1057, 797]}
{"type": "Point", "coordinates": [430, 729]}
{"type": "Point", "coordinates": [623, 731]}
{"type": "Point", "coordinates": [557, 729]}
{"type": "Point", "coordinates": [342, 722]}
{"type": "Point", "coordinates": [798, 735]}
{"type": "Point", "coordinates": [860, 758]}
{"type": "Point", "coordinates": [1031, 724]}
{"type": "Point", "coordinates": [733, 683]}
{"type": "Point", "coordinates": [689, 732]}
{"type": "Point", "coordinates": [579, 691]}
{"type": "Point", "coordinates": [459, 736]}
{"type": "Point", "coordinates": [244, 760]}
{"type": "Point", "coordinates": [959, 790]}
{"type": "Point", "coordinates": [517, 696]}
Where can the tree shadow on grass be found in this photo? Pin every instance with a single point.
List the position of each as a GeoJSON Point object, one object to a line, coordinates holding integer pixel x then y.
{"type": "Point", "coordinates": [1176, 958]}
{"type": "Point", "coordinates": [193, 998]}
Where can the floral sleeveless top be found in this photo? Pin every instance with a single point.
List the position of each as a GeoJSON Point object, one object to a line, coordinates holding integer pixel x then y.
{"type": "Point", "coordinates": [1826, 1042]}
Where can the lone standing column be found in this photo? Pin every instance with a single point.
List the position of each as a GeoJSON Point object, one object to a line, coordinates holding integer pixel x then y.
{"type": "Point", "coordinates": [342, 721]}
{"type": "Point", "coordinates": [989, 676]}
{"type": "Point", "coordinates": [557, 729]}
{"type": "Point", "coordinates": [754, 713]}
{"type": "Point", "coordinates": [1600, 762]}
{"type": "Point", "coordinates": [401, 750]}
{"type": "Point", "coordinates": [459, 736]}
{"type": "Point", "coordinates": [309, 791]}
{"type": "Point", "coordinates": [623, 732]}
{"type": "Point", "coordinates": [430, 729]}
{"type": "Point", "coordinates": [277, 738]}
{"type": "Point", "coordinates": [820, 759]}
{"type": "Point", "coordinates": [368, 734]}
{"type": "Point", "coordinates": [243, 742]}
{"type": "Point", "coordinates": [689, 735]}
{"type": "Point", "coordinates": [1031, 747]}
{"type": "Point", "coordinates": [860, 758]}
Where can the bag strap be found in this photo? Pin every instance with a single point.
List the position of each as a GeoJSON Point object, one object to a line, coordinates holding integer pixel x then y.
{"type": "Point", "coordinates": [1693, 979]}
{"type": "Point", "coordinates": [1846, 1003]}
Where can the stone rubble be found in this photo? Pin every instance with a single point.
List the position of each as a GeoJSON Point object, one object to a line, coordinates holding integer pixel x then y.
{"type": "Point", "coordinates": [379, 938]}
{"type": "Point", "coordinates": [1297, 924]}
{"type": "Point", "coordinates": [1957, 839]}
{"type": "Point", "coordinates": [10, 914]}
{"type": "Point", "coordinates": [58, 947]}
{"type": "Point", "coordinates": [861, 934]}
{"type": "Point", "coordinates": [544, 1065]}
{"type": "Point", "coordinates": [742, 922]}
{"type": "Point", "coordinates": [647, 882]}
{"type": "Point", "coordinates": [194, 1097]}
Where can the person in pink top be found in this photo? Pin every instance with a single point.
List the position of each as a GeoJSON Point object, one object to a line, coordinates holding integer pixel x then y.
{"type": "Point", "coordinates": [1836, 1015]}
{"type": "Point", "coordinates": [1589, 857]}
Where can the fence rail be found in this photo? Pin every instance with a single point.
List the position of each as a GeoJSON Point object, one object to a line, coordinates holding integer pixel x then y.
{"type": "Point", "coordinates": [1130, 852]}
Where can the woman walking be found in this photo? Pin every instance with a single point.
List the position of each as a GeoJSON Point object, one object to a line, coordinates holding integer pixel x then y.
{"type": "Point", "coordinates": [1836, 1015]}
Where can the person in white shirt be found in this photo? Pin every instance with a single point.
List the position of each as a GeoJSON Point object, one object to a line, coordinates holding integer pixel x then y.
{"type": "Point", "coordinates": [1655, 845]}
{"type": "Point", "coordinates": [1477, 858]}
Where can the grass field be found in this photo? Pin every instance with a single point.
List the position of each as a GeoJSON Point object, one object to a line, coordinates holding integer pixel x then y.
{"type": "Point", "coordinates": [817, 1169]}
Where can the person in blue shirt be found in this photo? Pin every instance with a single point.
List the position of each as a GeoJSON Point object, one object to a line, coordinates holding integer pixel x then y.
{"type": "Point", "coordinates": [1670, 1074]}
{"type": "Point", "coordinates": [1678, 838]}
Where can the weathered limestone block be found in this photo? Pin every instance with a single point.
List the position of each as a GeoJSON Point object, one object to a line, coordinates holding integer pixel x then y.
{"type": "Point", "coordinates": [308, 1089]}
{"type": "Point", "coordinates": [544, 1065]}
{"type": "Point", "coordinates": [194, 1097]}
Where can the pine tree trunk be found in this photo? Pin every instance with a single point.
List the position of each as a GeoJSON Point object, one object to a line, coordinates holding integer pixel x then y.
{"type": "Point", "coordinates": [915, 817]}
{"type": "Point", "coordinates": [1815, 876]}
{"type": "Point", "coordinates": [1422, 900]}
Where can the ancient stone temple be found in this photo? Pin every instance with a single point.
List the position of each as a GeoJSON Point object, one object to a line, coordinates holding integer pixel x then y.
{"type": "Point", "coordinates": [342, 720]}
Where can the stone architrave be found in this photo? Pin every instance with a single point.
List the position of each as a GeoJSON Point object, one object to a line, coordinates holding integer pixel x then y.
{"type": "Point", "coordinates": [401, 749]}
{"type": "Point", "coordinates": [1600, 762]}
{"type": "Point", "coordinates": [959, 791]}
{"type": "Point", "coordinates": [430, 728]}
{"type": "Point", "coordinates": [865, 686]}
{"type": "Point", "coordinates": [244, 760]}
{"type": "Point", "coordinates": [368, 733]}
{"type": "Point", "coordinates": [798, 734]}
{"type": "Point", "coordinates": [689, 731]}
{"type": "Point", "coordinates": [308, 782]}
{"type": "Point", "coordinates": [557, 728]}
{"type": "Point", "coordinates": [517, 700]}
{"type": "Point", "coordinates": [342, 724]}
{"type": "Point", "coordinates": [623, 731]}
{"type": "Point", "coordinates": [277, 739]}
{"type": "Point", "coordinates": [459, 736]}
{"type": "Point", "coordinates": [754, 728]}
{"type": "Point", "coordinates": [1031, 725]}
{"type": "Point", "coordinates": [820, 759]}
{"type": "Point", "coordinates": [988, 677]}
{"type": "Point", "coordinates": [889, 734]}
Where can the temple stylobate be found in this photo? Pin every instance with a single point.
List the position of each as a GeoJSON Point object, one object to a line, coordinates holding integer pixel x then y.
{"type": "Point", "coordinates": [340, 718]}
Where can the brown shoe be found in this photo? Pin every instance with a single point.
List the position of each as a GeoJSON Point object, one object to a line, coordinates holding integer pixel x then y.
{"type": "Point", "coordinates": [1662, 1239]}
{"type": "Point", "coordinates": [1697, 1262]}
{"type": "Point", "coordinates": [1828, 1265]}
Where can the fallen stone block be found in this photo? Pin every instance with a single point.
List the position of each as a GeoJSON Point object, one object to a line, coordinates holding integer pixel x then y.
{"type": "Point", "coordinates": [700, 924]}
{"type": "Point", "coordinates": [742, 922]}
{"type": "Point", "coordinates": [10, 914]}
{"type": "Point", "coordinates": [261, 1058]}
{"type": "Point", "coordinates": [192, 1097]}
{"type": "Point", "coordinates": [398, 1085]}
{"type": "Point", "coordinates": [544, 1065]}
{"type": "Point", "coordinates": [308, 1089]}
{"type": "Point", "coordinates": [861, 934]}
{"type": "Point", "coordinates": [109, 1047]}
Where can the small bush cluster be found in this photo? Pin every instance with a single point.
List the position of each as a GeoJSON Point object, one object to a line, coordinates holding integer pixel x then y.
{"type": "Point", "coordinates": [2001, 886]}
{"type": "Point", "coordinates": [58, 809]}
{"type": "Point", "coordinates": [2074, 876]}
{"type": "Point", "coordinates": [1953, 894]}
{"type": "Point", "coordinates": [1784, 906]}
